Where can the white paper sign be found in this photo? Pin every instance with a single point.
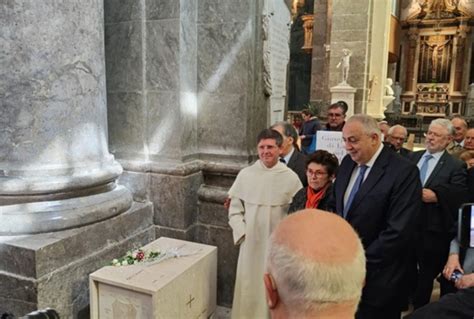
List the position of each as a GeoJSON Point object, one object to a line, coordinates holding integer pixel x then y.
{"type": "Point", "coordinates": [332, 142]}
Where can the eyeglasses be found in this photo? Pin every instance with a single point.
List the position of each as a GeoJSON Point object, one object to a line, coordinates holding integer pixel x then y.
{"type": "Point", "coordinates": [310, 172]}
{"type": "Point", "coordinates": [334, 114]}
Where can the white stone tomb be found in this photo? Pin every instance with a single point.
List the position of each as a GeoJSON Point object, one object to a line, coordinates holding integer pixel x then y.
{"type": "Point", "coordinates": [183, 287]}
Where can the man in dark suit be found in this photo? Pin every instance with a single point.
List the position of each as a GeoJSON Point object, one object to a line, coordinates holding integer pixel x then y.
{"type": "Point", "coordinates": [444, 190]}
{"type": "Point", "coordinates": [290, 155]}
{"type": "Point", "coordinates": [379, 193]}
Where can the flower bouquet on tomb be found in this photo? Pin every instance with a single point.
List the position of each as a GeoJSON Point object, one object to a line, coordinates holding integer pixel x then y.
{"type": "Point", "coordinates": [151, 256]}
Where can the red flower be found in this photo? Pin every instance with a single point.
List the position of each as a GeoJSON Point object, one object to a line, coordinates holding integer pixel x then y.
{"type": "Point", "coordinates": [140, 255]}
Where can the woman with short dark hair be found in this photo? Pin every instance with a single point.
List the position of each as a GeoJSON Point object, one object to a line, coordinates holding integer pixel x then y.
{"type": "Point", "coordinates": [321, 170]}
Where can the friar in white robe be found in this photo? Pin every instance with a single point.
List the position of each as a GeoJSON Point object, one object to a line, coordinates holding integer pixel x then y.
{"type": "Point", "coordinates": [260, 197]}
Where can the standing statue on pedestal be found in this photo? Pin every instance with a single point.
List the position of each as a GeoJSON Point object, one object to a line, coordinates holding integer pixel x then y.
{"type": "Point", "coordinates": [345, 63]}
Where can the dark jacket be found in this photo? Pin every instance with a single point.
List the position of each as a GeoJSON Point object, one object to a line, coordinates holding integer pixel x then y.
{"type": "Point", "coordinates": [300, 198]}
{"type": "Point", "coordinates": [384, 214]}
{"type": "Point", "coordinates": [336, 129]}
{"type": "Point", "coordinates": [470, 184]}
{"type": "Point", "coordinates": [309, 129]}
{"type": "Point", "coordinates": [297, 164]}
{"type": "Point", "coordinates": [449, 181]}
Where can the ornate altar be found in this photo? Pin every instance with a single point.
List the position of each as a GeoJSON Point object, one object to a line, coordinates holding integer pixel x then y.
{"type": "Point", "coordinates": [435, 75]}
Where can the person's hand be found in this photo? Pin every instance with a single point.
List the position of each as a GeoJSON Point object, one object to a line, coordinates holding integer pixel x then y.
{"type": "Point", "coordinates": [466, 281]}
{"type": "Point", "coordinates": [451, 265]}
{"type": "Point", "coordinates": [227, 203]}
{"type": "Point", "coordinates": [428, 196]}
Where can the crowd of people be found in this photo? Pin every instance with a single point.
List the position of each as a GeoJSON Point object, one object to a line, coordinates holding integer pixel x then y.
{"type": "Point", "coordinates": [399, 206]}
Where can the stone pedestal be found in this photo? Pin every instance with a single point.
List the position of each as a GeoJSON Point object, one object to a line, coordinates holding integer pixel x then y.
{"type": "Point", "coordinates": [344, 92]}
{"type": "Point", "coordinates": [387, 101]}
{"type": "Point", "coordinates": [52, 269]}
{"type": "Point", "coordinates": [183, 287]}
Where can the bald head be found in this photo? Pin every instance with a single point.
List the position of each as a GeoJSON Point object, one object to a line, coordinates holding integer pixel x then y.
{"type": "Point", "coordinates": [316, 260]}
{"type": "Point", "coordinates": [318, 235]}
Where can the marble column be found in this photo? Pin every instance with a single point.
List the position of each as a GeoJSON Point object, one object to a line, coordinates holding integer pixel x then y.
{"type": "Point", "coordinates": [320, 93]}
{"type": "Point", "coordinates": [459, 56]}
{"type": "Point", "coordinates": [62, 215]}
{"type": "Point", "coordinates": [55, 168]}
{"type": "Point", "coordinates": [378, 58]}
{"type": "Point", "coordinates": [186, 100]}
{"type": "Point", "coordinates": [410, 80]}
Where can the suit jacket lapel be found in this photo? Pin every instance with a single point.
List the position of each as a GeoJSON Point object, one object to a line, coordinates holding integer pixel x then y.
{"type": "Point", "coordinates": [437, 169]}
{"type": "Point", "coordinates": [292, 158]}
{"type": "Point", "coordinates": [376, 172]}
{"type": "Point", "coordinates": [417, 156]}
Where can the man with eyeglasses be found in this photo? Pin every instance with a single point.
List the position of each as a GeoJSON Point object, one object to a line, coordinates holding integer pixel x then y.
{"type": "Point", "coordinates": [336, 117]}
{"type": "Point", "coordinates": [379, 194]}
{"type": "Point", "coordinates": [444, 190]}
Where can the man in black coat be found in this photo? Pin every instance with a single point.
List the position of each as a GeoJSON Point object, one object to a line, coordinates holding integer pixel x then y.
{"type": "Point", "coordinates": [308, 130]}
{"type": "Point", "coordinates": [379, 193]}
{"type": "Point", "coordinates": [290, 154]}
{"type": "Point", "coordinates": [444, 181]}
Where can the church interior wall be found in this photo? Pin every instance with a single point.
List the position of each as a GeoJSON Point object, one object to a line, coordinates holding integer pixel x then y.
{"type": "Point", "coordinates": [184, 121]}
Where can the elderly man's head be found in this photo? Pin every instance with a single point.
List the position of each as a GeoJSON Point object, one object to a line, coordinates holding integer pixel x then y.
{"type": "Point", "coordinates": [397, 135]}
{"type": "Point", "coordinates": [460, 128]}
{"type": "Point", "coordinates": [469, 140]}
{"type": "Point", "coordinates": [439, 135]}
{"type": "Point", "coordinates": [289, 134]}
{"type": "Point", "coordinates": [362, 137]}
{"type": "Point", "coordinates": [315, 264]}
{"type": "Point", "coordinates": [384, 127]}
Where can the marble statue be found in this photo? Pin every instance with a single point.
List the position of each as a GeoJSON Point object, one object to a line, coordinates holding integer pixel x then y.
{"type": "Point", "coordinates": [388, 87]}
{"type": "Point", "coordinates": [345, 64]}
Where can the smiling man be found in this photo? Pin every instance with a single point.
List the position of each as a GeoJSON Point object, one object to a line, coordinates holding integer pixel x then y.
{"type": "Point", "coordinates": [379, 193]}
{"type": "Point", "coordinates": [260, 197]}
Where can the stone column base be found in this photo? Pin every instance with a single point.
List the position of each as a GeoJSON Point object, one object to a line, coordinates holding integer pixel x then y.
{"type": "Point", "coordinates": [52, 269]}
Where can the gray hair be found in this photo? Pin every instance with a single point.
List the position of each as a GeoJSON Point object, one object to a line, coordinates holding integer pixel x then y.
{"type": "Point", "coordinates": [369, 124]}
{"type": "Point", "coordinates": [288, 129]}
{"type": "Point", "coordinates": [308, 285]}
{"type": "Point", "coordinates": [393, 128]}
{"type": "Point", "coordinates": [444, 123]}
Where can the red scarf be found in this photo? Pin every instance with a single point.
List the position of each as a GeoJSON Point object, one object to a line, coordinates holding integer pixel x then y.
{"type": "Point", "coordinates": [314, 197]}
